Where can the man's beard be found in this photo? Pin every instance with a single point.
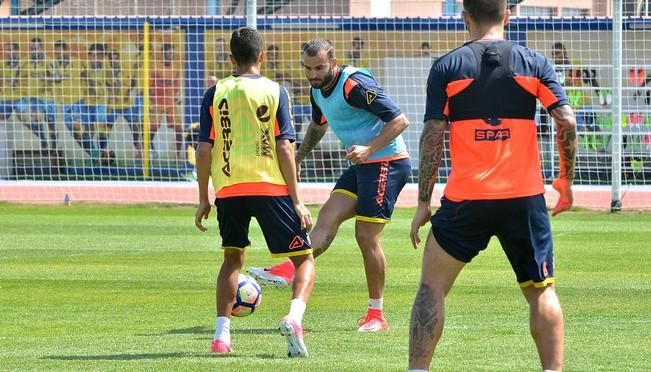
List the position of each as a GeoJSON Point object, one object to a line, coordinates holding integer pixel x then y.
{"type": "Point", "coordinates": [326, 80]}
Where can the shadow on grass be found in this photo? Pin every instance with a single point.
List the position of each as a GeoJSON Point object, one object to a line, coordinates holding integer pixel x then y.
{"type": "Point", "coordinates": [134, 356]}
{"type": "Point", "coordinates": [208, 331]}
{"type": "Point", "coordinates": [255, 331]}
{"type": "Point", "coordinates": [180, 331]}
{"type": "Point", "coordinates": [156, 356]}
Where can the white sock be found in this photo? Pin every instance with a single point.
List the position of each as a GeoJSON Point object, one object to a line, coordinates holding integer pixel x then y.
{"type": "Point", "coordinates": [223, 329]}
{"type": "Point", "coordinates": [296, 311]}
{"type": "Point", "coordinates": [375, 303]}
{"type": "Point", "coordinates": [417, 370]}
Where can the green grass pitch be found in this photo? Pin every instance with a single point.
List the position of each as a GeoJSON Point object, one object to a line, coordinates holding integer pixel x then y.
{"type": "Point", "coordinates": [94, 287]}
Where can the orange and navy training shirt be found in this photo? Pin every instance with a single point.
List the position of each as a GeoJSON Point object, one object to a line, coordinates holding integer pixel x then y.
{"type": "Point", "coordinates": [241, 116]}
{"type": "Point", "coordinates": [487, 90]}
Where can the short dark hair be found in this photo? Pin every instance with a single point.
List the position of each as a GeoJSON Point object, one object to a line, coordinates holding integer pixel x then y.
{"type": "Point", "coordinates": [246, 45]}
{"type": "Point", "coordinates": [166, 47]}
{"type": "Point", "coordinates": [558, 45]}
{"type": "Point", "coordinates": [61, 44]}
{"type": "Point", "coordinates": [272, 47]}
{"type": "Point", "coordinates": [36, 40]}
{"type": "Point", "coordinates": [425, 44]}
{"type": "Point", "coordinates": [14, 45]}
{"type": "Point", "coordinates": [96, 47]}
{"type": "Point", "coordinates": [315, 46]}
{"type": "Point", "coordinates": [485, 11]}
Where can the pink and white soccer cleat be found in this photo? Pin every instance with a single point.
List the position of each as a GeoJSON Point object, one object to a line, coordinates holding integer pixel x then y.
{"type": "Point", "coordinates": [294, 335]}
{"type": "Point", "coordinates": [279, 276]}
{"type": "Point", "coordinates": [373, 321]}
{"type": "Point", "coordinates": [220, 347]}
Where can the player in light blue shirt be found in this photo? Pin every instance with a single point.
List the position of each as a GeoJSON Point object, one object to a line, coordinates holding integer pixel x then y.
{"type": "Point", "coordinates": [368, 123]}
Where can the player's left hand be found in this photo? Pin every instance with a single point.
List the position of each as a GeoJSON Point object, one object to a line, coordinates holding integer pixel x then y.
{"type": "Point", "coordinates": [358, 154]}
{"type": "Point", "coordinates": [565, 198]}
{"type": "Point", "coordinates": [422, 216]}
{"type": "Point", "coordinates": [203, 211]}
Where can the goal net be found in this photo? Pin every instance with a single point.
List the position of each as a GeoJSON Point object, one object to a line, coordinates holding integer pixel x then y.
{"type": "Point", "coordinates": [101, 99]}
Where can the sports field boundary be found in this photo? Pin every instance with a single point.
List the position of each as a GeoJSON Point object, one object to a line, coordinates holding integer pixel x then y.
{"type": "Point", "coordinates": [46, 192]}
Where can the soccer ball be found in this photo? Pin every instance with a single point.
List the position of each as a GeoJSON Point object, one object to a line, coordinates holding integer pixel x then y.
{"type": "Point", "coordinates": [247, 297]}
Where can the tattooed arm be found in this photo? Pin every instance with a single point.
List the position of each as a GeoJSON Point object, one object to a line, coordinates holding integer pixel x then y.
{"type": "Point", "coordinates": [312, 137]}
{"type": "Point", "coordinates": [431, 150]}
{"type": "Point", "coordinates": [566, 142]}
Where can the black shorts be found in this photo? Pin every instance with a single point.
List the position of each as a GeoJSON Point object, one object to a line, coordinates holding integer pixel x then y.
{"type": "Point", "coordinates": [463, 229]}
{"type": "Point", "coordinates": [376, 187]}
{"type": "Point", "coordinates": [276, 217]}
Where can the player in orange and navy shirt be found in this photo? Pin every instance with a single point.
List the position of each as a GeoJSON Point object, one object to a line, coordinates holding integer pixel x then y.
{"type": "Point", "coordinates": [245, 143]}
{"type": "Point", "coordinates": [369, 124]}
{"type": "Point", "coordinates": [485, 92]}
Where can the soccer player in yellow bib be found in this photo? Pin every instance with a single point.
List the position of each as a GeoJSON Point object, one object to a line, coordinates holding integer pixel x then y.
{"type": "Point", "coordinates": [245, 142]}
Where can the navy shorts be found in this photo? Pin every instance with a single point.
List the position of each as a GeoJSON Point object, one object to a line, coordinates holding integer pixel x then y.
{"type": "Point", "coordinates": [376, 187]}
{"type": "Point", "coordinates": [463, 229]}
{"type": "Point", "coordinates": [276, 217]}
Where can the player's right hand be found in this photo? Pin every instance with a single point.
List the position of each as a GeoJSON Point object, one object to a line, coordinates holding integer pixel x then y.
{"type": "Point", "coordinates": [566, 197]}
{"type": "Point", "coordinates": [422, 216]}
{"type": "Point", "coordinates": [203, 211]}
{"type": "Point", "coordinates": [304, 216]}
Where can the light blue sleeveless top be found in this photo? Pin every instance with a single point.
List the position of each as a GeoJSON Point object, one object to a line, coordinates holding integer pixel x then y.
{"type": "Point", "coordinates": [354, 126]}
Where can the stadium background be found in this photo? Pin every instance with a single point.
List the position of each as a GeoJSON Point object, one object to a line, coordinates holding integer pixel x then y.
{"type": "Point", "coordinates": [390, 43]}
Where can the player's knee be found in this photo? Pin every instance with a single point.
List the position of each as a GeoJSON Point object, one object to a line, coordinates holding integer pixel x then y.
{"type": "Point", "coordinates": [551, 306]}
{"type": "Point", "coordinates": [367, 239]}
{"type": "Point", "coordinates": [543, 300]}
{"type": "Point", "coordinates": [233, 257]}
